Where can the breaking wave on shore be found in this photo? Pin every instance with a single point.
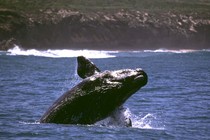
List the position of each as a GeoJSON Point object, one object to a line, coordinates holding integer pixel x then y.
{"type": "Point", "coordinates": [61, 53]}
{"type": "Point", "coordinates": [65, 53]}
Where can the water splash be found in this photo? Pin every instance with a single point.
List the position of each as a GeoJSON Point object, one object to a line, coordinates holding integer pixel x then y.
{"type": "Point", "coordinates": [148, 121]}
{"type": "Point", "coordinates": [119, 118]}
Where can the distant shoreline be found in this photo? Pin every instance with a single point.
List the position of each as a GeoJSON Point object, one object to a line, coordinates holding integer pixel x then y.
{"type": "Point", "coordinates": [126, 28]}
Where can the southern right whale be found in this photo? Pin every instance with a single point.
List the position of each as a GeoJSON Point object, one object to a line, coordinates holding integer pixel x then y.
{"type": "Point", "coordinates": [96, 97]}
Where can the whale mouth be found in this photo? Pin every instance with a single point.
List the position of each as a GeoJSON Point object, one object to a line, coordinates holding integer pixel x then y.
{"type": "Point", "coordinates": [141, 78]}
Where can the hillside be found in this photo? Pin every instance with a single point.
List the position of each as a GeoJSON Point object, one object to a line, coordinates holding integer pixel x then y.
{"type": "Point", "coordinates": [107, 25]}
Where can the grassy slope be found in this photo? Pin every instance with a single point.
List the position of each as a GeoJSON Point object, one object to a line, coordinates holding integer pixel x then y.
{"type": "Point", "coordinates": [32, 6]}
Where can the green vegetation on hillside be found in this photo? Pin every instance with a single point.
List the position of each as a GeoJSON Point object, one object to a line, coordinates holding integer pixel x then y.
{"type": "Point", "coordinates": [30, 6]}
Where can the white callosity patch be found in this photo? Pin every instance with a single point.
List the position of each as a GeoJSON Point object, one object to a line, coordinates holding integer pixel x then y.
{"type": "Point", "coordinates": [125, 73]}
{"type": "Point", "coordinates": [112, 82]}
{"type": "Point", "coordinates": [92, 78]}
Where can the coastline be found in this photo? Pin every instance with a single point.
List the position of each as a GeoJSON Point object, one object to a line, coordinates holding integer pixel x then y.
{"type": "Point", "coordinates": [120, 29]}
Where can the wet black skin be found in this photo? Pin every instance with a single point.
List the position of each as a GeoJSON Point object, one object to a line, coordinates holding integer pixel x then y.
{"type": "Point", "coordinates": [86, 68]}
{"type": "Point", "coordinates": [96, 97]}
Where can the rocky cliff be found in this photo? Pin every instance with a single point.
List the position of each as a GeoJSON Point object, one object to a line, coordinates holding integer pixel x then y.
{"type": "Point", "coordinates": [115, 30]}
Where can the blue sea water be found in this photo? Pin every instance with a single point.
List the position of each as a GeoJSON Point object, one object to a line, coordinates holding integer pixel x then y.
{"type": "Point", "coordinates": [175, 104]}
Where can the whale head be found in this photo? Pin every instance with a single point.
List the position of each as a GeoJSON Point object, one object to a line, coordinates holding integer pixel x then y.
{"type": "Point", "coordinates": [97, 96]}
{"type": "Point", "coordinates": [128, 77]}
{"type": "Point", "coordinates": [120, 83]}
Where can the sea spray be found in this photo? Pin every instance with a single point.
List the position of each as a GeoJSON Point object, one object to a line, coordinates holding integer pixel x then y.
{"type": "Point", "coordinates": [147, 121]}
{"type": "Point", "coordinates": [117, 119]}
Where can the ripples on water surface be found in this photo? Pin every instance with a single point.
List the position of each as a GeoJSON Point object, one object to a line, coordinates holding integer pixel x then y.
{"type": "Point", "coordinates": [174, 105]}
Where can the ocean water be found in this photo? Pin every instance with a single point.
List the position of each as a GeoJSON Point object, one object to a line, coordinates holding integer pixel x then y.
{"type": "Point", "coordinates": [175, 104]}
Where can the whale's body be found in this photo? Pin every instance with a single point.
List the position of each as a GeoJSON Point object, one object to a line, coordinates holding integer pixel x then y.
{"type": "Point", "coordinates": [96, 97]}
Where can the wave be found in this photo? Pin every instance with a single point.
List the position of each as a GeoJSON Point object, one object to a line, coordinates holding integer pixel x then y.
{"type": "Point", "coordinates": [89, 53]}
{"type": "Point", "coordinates": [22, 122]}
{"type": "Point", "coordinates": [173, 51]}
{"type": "Point", "coordinates": [61, 53]}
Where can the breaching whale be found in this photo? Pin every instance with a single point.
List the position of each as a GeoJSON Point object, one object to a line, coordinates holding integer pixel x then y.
{"type": "Point", "coordinates": [97, 96]}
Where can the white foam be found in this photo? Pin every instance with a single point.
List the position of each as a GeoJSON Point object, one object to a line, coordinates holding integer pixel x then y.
{"type": "Point", "coordinates": [22, 122]}
{"type": "Point", "coordinates": [61, 53]}
{"type": "Point", "coordinates": [206, 50]}
{"type": "Point", "coordinates": [118, 119]}
{"type": "Point", "coordinates": [148, 121]}
{"type": "Point", "coordinates": [171, 51]}
{"type": "Point", "coordinates": [87, 53]}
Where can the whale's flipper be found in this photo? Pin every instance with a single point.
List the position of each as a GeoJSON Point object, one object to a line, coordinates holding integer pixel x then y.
{"type": "Point", "coordinates": [85, 67]}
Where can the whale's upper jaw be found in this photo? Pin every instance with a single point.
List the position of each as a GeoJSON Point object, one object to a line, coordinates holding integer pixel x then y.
{"type": "Point", "coordinates": [134, 78]}
{"type": "Point", "coordinates": [140, 78]}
